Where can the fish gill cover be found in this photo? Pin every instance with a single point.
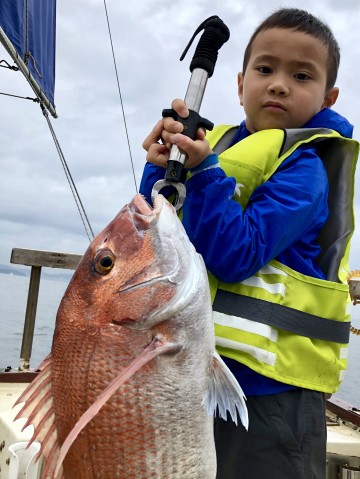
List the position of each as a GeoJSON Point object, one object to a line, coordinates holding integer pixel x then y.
{"type": "Point", "coordinates": [30, 26]}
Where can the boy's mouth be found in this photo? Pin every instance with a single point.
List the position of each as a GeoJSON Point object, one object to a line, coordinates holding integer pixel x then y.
{"type": "Point", "coordinates": [274, 106]}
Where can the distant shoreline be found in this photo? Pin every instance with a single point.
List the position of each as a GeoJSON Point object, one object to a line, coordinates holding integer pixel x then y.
{"type": "Point", "coordinates": [13, 271]}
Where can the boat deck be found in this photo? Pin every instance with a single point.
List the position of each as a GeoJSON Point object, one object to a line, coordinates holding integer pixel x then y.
{"type": "Point", "coordinates": [11, 433]}
{"type": "Point", "coordinates": [343, 445]}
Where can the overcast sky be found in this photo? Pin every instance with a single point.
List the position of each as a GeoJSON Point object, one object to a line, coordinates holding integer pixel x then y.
{"type": "Point", "coordinates": [37, 209]}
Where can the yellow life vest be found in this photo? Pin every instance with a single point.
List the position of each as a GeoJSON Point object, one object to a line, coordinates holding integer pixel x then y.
{"type": "Point", "coordinates": [283, 324]}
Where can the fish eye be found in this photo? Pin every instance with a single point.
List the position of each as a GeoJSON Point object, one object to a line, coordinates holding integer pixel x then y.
{"type": "Point", "coordinates": [104, 262]}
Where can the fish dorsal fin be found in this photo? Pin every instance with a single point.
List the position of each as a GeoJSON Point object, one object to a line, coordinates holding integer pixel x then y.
{"type": "Point", "coordinates": [39, 411]}
{"type": "Point", "coordinates": [224, 393]}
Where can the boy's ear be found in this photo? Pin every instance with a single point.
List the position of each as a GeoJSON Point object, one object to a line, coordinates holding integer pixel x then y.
{"type": "Point", "coordinates": [330, 97]}
{"type": "Point", "coordinates": [240, 87]}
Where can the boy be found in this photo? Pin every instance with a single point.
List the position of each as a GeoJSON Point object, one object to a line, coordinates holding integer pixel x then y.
{"type": "Point", "coordinates": [263, 203]}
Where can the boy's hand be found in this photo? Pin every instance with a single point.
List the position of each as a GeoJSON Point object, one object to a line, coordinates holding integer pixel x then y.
{"type": "Point", "coordinates": [168, 131]}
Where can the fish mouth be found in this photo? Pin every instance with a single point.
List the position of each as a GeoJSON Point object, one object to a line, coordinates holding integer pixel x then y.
{"type": "Point", "coordinates": [139, 206]}
{"type": "Point", "coordinates": [144, 216]}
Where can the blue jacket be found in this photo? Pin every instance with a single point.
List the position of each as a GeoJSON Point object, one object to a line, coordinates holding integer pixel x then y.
{"type": "Point", "coordinates": [282, 220]}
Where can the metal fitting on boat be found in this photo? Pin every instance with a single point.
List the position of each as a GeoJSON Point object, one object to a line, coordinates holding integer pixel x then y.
{"type": "Point", "coordinates": [354, 286]}
{"type": "Point", "coordinates": [348, 472]}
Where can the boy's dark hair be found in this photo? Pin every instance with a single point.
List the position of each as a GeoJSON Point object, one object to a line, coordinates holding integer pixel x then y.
{"type": "Point", "coordinates": [303, 21]}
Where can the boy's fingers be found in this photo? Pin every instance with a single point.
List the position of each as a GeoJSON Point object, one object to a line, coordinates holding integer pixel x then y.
{"type": "Point", "coordinates": [154, 136]}
{"type": "Point", "coordinates": [201, 133]}
{"type": "Point", "coordinates": [189, 146]}
{"type": "Point", "coordinates": [172, 126]}
{"type": "Point", "coordinates": [168, 131]}
{"type": "Point", "coordinates": [180, 107]}
{"type": "Point", "coordinates": [197, 150]}
{"type": "Point", "coordinates": [157, 155]}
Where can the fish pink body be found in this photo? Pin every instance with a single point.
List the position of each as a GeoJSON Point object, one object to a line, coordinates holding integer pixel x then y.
{"type": "Point", "coordinates": [140, 279]}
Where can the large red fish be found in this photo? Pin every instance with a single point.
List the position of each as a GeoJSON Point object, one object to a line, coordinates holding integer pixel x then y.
{"type": "Point", "coordinates": [133, 378]}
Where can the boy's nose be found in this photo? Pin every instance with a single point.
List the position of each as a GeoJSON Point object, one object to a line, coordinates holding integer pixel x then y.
{"type": "Point", "coordinates": [278, 87]}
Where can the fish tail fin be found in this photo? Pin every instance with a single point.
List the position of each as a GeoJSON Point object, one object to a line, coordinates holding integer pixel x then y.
{"type": "Point", "coordinates": [224, 393]}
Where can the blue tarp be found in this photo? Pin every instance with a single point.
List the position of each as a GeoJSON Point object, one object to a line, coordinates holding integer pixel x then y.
{"type": "Point", "coordinates": [34, 31]}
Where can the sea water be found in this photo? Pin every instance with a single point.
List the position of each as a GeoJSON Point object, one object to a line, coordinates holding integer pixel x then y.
{"type": "Point", "coordinates": [13, 299]}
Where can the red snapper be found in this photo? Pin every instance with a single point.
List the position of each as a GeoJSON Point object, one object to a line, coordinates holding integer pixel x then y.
{"type": "Point", "coordinates": [133, 380]}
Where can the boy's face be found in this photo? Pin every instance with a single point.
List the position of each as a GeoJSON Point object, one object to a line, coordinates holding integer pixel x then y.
{"type": "Point", "coordinates": [284, 84]}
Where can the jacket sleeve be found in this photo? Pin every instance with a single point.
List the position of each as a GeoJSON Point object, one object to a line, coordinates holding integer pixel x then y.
{"type": "Point", "coordinates": [288, 208]}
{"type": "Point", "coordinates": [151, 174]}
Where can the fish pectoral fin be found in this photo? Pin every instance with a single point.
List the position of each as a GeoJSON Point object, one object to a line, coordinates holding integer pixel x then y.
{"type": "Point", "coordinates": [157, 347]}
{"type": "Point", "coordinates": [224, 393]}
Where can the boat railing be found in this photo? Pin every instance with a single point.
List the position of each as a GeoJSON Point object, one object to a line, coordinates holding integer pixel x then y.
{"type": "Point", "coordinates": [37, 259]}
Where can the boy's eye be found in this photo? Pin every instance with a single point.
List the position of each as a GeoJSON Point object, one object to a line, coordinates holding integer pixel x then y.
{"type": "Point", "coordinates": [264, 70]}
{"type": "Point", "coordinates": [302, 76]}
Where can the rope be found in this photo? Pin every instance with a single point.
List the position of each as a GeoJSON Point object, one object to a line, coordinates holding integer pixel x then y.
{"type": "Point", "coordinates": [35, 100]}
{"type": "Point", "coordinates": [28, 54]}
{"type": "Point", "coordinates": [353, 279]}
{"type": "Point", "coordinates": [120, 96]}
{"type": "Point", "coordinates": [80, 207]}
{"type": "Point", "coordinates": [27, 32]}
{"type": "Point", "coordinates": [355, 331]}
{"type": "Point", "coordinates": [7, 65]}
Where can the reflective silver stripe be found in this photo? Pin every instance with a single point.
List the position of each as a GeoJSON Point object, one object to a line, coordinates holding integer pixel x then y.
{"type": "Point", "coordinates": [260, 354]}
{"type": "Point", "coordinates": [342, 375]}
{"type": "Point", "coordinates": [247, 325]}
{"type": "Point", "coordinates": [295, 135]}
{"type": "Point", "coordinates": [344, 353]}
{"type": "Point", "coordinates": [273, 288]}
